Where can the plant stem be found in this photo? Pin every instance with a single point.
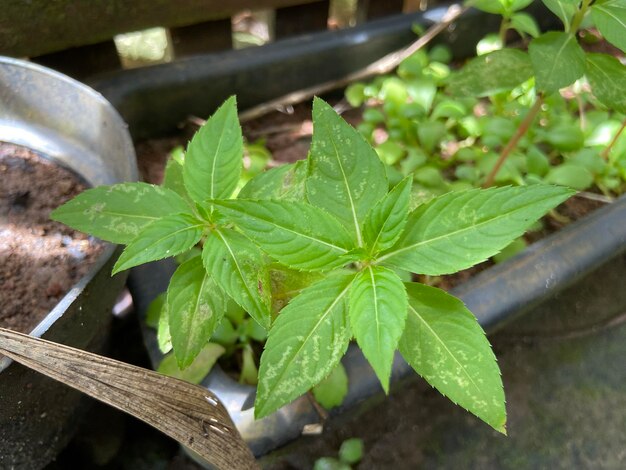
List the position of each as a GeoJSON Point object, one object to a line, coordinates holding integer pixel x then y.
{"type": "Point", "coordinates": [504, 25]}
{"type": "Point", "coordinates": [579, 16]}
{"type": "Point", "coordinates": [607, 150]}
{"type": "Point", "coordinates": [510, 146]}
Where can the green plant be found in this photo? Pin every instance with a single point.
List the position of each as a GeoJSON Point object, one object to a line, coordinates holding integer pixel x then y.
{"type": "Point", "coordinates": [350, 453]}
{"type": "Point", "coordinates": [499, 118]}
{"type": "Point", "coordinates": [340, 240]}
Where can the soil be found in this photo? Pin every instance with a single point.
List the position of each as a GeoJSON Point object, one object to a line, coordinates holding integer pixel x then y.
{"type": "Point", "coordinates": [40, 260]}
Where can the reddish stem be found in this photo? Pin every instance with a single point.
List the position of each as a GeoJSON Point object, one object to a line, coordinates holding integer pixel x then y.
{"type": "Point", "coordinates": [510, 146]}
{"type": "Point", "coordinates": [607, 150]}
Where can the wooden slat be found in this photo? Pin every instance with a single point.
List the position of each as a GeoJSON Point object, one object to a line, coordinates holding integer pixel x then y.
{"type": "Point", "coordinates": [37, 27]}
{"type": "Point", "coordinates": [209, 36]}
{"type": "Point", "coordinates": [83, 61]}
{"type": "Point", "coordinates": [301, 19]}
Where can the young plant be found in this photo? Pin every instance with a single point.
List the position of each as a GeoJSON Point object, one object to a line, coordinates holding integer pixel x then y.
{"type": "Point", "coordinates": [341, 238]}
{"type": "Point", "coordinates": [350, 454]}
{"type": "Point", "coordinates": [554, 59]}
{"type": "Point", "coordinates": [483, 124]}
{"type": "Point", "coordinates": [158, 222]}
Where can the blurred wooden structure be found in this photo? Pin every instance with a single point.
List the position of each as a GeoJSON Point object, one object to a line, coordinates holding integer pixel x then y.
{"type": "Point", "coordinates": [76, 36]}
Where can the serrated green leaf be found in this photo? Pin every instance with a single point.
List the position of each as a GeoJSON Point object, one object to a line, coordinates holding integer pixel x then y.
{"type": "Point", "coordinates": [385, 222]}
{"type": "Point", "coordinates": [118, 213]}
{"type": "Point", "coordinates": [558, 61]}
{"type": "Point", "coordinates": [460, 229]}
{"type": "Point", "coordinates": [491, 73]}
{"type": "Point", "coordinates": [346, 177]}
{"type": "Point", "coordinates": [378, 306]}
{"type": "Point", "coordinates": [214, 156]}
{"type": "Point", "coordinates": [607, 77]}
{"type": "Point", "coordinates": [331, 391]}
{"type": "Point", "coordinates": [284, 182]}
{"type": "Point", "coordinates": [444, 343]}
{"type": "Point", "coordinates": [173, 179]}
{"type": "Point", "coordinates": [195, 305]}
{"type": "Point", "coordinates": [296, 234]}
{"type": "Point", "coordinates": [169, 236]}
{"type": "Point", "coordinates": [238, 267]}
{"type": "Point", "coordinates": [563, 9]}
{"type": "Point", "coordinates": [198, 369]}
{"type": "Point", "coordinates": [305, 343]}
{"type": "Point", "coordinates": [610, 18]}
{"type": "Point", "coordinates": [526, 24]}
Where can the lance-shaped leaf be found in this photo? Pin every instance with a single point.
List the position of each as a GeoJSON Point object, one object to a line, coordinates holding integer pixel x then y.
{"type": "Point", "coordinates": [285, 182]}
{"type": "Point", "coordinates": [214, 156]}
{"type": "Point", "coordinates": [378, 306]}
{"type": "Point", "coordinates": [296, 234]}
{"type": "Point", "coordinates": [558, 61]}
{"type": "Point", "coordinates": [460, 229]}
{"type": "Point", "coordinates": [524, 23]}
{"type": "Point", "coordinates": [385, 222]}
{"type": "Point", "coordinates": [306, 342]}
{"type": "Point", "coordinates": [444, 343]}
{"type": "Point", "coordinates": [491, 73]}
{"type": "Point", "coordinates": [169, 236]}
{"type": "Point", "coordinates": [118, 213]}
{"type": "Point", "coordinates": [195, 305]}
{"type": "Point", "coordinates": [564, 9]}
{"type": "Point", "coordinates": [346, 177]}
{"type": "Point", "coordinates": [173, 179]}
{"type": "Point", "coordinates": [609, 16]}
{"type": "Point", "coordinates": [607, 77]}
{"type": "Point", "coordinates": [238, 267]}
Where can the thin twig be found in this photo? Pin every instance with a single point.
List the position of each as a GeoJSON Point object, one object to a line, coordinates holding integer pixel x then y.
{"type": "Point", "coordinates": [607, 150]}
{"type": "Point", "coordinates": [381, 66]}
{"type": "Point", "coordinates": [189, 414]}
{"type": "Point", "coordinates": [595, 197]}
{"type": "Point", "coordinates": [510, 146]}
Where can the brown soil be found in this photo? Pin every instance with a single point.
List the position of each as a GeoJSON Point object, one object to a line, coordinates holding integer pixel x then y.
{"type": "Point", "coordinates": [40, 260]}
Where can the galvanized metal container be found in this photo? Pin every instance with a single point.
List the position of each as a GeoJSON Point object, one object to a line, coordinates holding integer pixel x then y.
{"type": "Point", "coordinates": [76, 127]}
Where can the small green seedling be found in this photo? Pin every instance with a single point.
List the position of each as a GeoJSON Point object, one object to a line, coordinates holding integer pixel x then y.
{"type": "Point", "coordinates": [340, 239]}
{"type": "Point", "coordinates": [498, 119]}
{"type": "Point", "coordinates": [350, 454]}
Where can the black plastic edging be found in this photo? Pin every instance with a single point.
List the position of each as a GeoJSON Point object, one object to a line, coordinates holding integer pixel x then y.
{"type": "Point", "coordinates": [154, 100]}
